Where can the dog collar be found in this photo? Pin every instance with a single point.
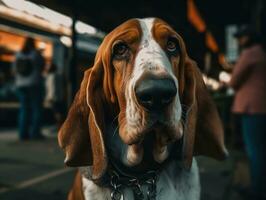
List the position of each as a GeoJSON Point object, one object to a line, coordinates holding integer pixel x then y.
{"type": "Point", "coordinates": [118, 182]}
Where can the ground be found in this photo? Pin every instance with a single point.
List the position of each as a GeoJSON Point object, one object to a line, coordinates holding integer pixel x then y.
{"type": "Point", "coordinates": [34, 170]}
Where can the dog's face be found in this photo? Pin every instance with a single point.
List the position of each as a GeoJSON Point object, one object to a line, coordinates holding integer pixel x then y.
{"type": "Point", "coordinates": [146, 59]}
{"type": "Point", "coordinates": [141, 76]}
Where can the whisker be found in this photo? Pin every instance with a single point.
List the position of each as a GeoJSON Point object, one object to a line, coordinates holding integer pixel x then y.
{"type": "Point", "coordinates": [123, 120]}
{"type": "Point", "coordinates": [117, 116]}
{"type": "Point", "coordinates": [115, 119]}
{"type": "Point", "coordinates": [182, 121]}
{"type": "Point", "coordinates": [115, 131]}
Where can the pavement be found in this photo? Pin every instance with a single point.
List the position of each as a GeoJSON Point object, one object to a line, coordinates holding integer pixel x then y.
{"type": "Point", "coordinates": [34, 170]}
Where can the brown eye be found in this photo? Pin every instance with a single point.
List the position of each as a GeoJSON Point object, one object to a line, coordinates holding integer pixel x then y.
{"type": "Point", "coordinates": [120, 50]}
{"type": "Point", "coordinates": [172, 45]}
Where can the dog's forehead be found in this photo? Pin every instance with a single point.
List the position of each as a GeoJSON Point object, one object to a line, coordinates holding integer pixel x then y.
{"type": "Point", "coordinates": [142, 28]}
{"type": "Point", "coordinates": [149, 44]}
{"type": "Point", "coordinates": [150, 57]}
{"type": "Point", "coordinates": [146, 25]}
{"type": "Point", "coordinates": [150, 27]}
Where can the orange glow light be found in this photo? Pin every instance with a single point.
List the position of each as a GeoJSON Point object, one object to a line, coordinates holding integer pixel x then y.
{"type": "Point", "coordinates": [194, 16]}
{"type": "Point", "coordinates": [211, 42]}
{"type": "Point", "coordinates": [13, 43]}
{"type": "Point", "coordinates": [221, 58]}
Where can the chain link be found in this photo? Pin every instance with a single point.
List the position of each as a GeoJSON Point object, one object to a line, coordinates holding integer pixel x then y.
{"type": "Point", "coordinates": [135, 184]}
{"type": "Point", "coordinates": [116, 193]}
{"type": "Point", "coordinates": [136, 187]}
{"type": "Point", "coordinates": [151, 193]}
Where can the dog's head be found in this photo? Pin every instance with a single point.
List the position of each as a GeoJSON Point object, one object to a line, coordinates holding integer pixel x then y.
{"type": "Point", "coordinates": [144, 84]}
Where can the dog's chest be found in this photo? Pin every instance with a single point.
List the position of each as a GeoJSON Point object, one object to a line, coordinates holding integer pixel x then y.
{"type": "Point", "coordinates": [173, 183]}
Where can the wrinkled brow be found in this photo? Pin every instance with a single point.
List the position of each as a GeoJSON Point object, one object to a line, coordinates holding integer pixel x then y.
{"type": "Point", "coordinates": [129, 32]}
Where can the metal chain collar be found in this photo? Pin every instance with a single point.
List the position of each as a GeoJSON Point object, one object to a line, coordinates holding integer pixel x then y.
{"type": "Point", "coordinates": [118, 183]}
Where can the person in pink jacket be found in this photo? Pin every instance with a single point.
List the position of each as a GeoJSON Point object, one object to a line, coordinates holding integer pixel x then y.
{"type": "Point", "coordinates": [249, 82]}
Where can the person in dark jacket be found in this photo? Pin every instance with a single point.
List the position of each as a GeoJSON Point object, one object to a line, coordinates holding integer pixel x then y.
{"type": "Point", "coordinates": [249, 82]}
{"type": "Point", "coordinates": [28, 67]}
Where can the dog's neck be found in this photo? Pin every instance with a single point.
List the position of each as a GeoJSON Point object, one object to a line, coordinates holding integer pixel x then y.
{"type": "Point", "coordinates": [173, 181]}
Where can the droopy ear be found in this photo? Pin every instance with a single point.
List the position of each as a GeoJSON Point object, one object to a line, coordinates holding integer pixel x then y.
{"type": "Point", "coordinates": [203, 133]}
{"type": "Point", "coordinates": [73, 136]}
{"type": "Point", "coordinates": [101, 99]}
{"type": "Point", "coordinates": [81, 135]}
{"type": "Point", "coordinates": [95, 101]}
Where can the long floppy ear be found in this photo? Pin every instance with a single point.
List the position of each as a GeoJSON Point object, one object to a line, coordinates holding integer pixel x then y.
{"type": "Point", "coordinates": [73, 136]}
{"type": "Point", "coordinates": [81, 135]}
{"type": "Point", "coordinates": [203, 133]}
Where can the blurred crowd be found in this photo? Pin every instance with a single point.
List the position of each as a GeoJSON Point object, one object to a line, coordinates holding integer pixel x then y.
{"type": "Point", "coordinates": [248, 81]}
{"type": "Point", "coordinates": [36, 82]}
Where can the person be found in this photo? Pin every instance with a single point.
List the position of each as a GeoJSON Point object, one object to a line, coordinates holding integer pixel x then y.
{"type": "Point", "coordinates": [249, 83]}
{"type": "Point", "coordinates": [54, 93]}
{"type": "Point", "coordinates": [28, 67]}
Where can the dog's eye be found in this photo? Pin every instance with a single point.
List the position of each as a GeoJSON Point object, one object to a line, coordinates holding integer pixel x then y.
{"type": "Point", "coordinates": [120, 49]}
{"type": "Point", "coordinates": [172, 45]}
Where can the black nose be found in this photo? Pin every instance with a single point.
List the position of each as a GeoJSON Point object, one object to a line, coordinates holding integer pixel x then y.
{"type": "Point", "coordinates": [155, 94]}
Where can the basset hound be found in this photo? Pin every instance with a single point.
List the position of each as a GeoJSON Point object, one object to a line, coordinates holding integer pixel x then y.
{"type": "Point", "coordinates": [142, 112]}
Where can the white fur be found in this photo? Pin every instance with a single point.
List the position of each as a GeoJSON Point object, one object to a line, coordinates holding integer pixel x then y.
{"type": "Point", "coordinates": [94, 192]}
{"type": "Point", "coordinates": [161, 154]}
{"type": "Point", "coordinates": [151, 58]}
{"type": "Point", "coordinates": [134, 157]}
{"type": "Point", "coordinates": [174, 183]}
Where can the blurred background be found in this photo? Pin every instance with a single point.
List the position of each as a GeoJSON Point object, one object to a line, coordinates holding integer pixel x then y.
{"type": "Point", "coordinates": [66, 36]}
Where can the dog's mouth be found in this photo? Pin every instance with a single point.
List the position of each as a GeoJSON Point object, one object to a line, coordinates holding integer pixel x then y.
{"type": "Point", "coordinates": [156, 125]}
{"type": "Point", "coordinates": [155, 140]}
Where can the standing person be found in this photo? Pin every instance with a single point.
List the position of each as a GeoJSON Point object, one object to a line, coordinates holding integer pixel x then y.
{"type": "Point", "coordinates": [249, 82]}
{"type": "Point", "coordinates": [28, 67]}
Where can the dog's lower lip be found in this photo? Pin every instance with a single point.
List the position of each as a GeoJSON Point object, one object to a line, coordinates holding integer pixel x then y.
{"type": "Point", "coordinates": [157, 124]}
{"type": "Point", "coordinates": [135, 142]}
{"type": "Point", "coordinates": [138, 141]}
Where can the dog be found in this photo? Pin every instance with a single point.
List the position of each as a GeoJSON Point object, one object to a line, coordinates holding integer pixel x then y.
{"type": "Point", "coordinates": [142, 112]}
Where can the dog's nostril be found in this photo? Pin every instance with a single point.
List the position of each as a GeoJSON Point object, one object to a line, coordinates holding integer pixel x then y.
{"type": "Point", "coordinates": [167, 99]}
{"type": "Point", "coordinates": [145, 98]}
{"type": "Point", "coordinates": [156, 93]}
